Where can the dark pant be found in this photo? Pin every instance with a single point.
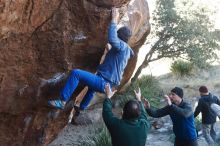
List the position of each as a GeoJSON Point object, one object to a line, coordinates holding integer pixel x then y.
{"type": "Point", "coordinates": [186, 142]}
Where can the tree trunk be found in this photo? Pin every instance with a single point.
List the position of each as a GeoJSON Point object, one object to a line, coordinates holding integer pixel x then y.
{"type": "Point", "coordinates": [138, 72]}
{"type": "Point", "coordinates": [148, 59]}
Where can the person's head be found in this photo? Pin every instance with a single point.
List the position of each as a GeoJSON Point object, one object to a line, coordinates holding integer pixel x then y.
{"type": "Point", "coordinates": [124, 33]}
{"type": "Point", "coordinates": [203, 90]}
{"type": "Point", "coordinates": [131, 110]}
{"type": "Point", "coordinates": [176, 95]}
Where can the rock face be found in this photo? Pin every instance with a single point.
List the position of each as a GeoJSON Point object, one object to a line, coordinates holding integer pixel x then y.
{"type": "Point", "coordinates": [40, 38]}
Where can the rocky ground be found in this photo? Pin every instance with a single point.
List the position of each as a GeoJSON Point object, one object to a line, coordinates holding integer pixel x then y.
{"type": "Point", "coordinates": [72, 134]}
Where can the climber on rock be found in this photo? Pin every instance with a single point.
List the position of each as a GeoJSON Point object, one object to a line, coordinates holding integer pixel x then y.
{"type": "Point", "coordinates": [110, 71]}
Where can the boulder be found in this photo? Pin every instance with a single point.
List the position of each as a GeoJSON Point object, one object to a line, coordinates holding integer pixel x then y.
{"type": "Point", "coordinates": [43, 39]}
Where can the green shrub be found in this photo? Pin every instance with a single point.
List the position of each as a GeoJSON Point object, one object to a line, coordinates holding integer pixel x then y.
{"type": "Point", "coordinates": [100, 137]}
{"type": "Point", "coordinates": [150, 89]}
{"type": "Point", "coordinates": [182, 68]}
{"type": "Point", "coordinates": [198, 123]}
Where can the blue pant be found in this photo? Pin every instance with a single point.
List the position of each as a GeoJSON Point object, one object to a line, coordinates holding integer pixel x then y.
{"type": "Point", "coordinates": [93, 81]}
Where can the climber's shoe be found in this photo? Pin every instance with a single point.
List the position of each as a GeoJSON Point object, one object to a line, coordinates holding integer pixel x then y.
{"type": "Point", "coordinates": [56, 104]}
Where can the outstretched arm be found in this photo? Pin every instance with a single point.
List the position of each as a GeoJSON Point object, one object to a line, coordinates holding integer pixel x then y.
{"type": "Point", "coordinates": [115, 15]}
{"type": "Point", "coordinates": [185, 112]}
{"type": "Point", "coordinates": [158, 113]}
{"type": "Point", "coordinates": [113, 39]}
{"type": "Point", "coordinates": [107, 114]}
{"type": "Point", "coordinates": [143, 111]}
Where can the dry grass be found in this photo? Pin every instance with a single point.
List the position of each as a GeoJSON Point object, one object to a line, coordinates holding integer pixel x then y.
{"type": "Point", "coordinates": [190, 85]}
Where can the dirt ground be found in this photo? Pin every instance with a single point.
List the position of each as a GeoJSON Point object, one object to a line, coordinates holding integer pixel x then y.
{"type": "Point", "coordinates": [71, 134]}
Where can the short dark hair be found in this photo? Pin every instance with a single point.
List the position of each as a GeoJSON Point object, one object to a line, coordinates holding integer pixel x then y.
{"type": "Point", "coordinates": [124, 33]}
{"type": "Point", "coordinates": [178, 91]}
{"type": "Point", "coordinates": [203, 89]}
{"type": "Point", "coordinates": [131, 110]}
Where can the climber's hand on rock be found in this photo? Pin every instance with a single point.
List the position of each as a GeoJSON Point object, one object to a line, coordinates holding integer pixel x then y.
{"type": "Point", "coordinates": [115, 15]}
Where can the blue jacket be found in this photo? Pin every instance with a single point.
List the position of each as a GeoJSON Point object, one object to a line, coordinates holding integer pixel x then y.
{"type": "Point", "coordinates": [116, 59]}
{"type": "Point", "coordinates": [182, 117]}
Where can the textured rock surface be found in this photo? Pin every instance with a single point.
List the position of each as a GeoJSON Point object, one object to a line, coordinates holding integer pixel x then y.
{"type": "Point", "coordinates": [40, 38]}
